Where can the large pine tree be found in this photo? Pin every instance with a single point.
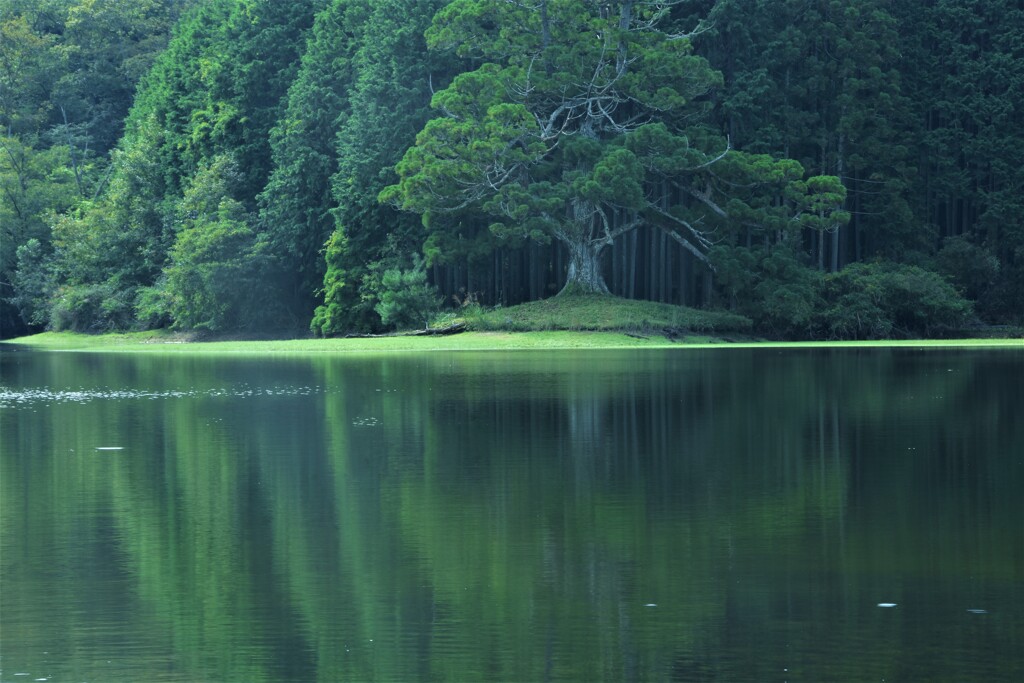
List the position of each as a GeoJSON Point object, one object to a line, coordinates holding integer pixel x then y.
{"type": "Point", "coordinates": [582, 123]}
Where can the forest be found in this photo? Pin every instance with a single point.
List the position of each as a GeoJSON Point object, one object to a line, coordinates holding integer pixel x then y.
{"type": "Point", "coordinates": [827, 169]}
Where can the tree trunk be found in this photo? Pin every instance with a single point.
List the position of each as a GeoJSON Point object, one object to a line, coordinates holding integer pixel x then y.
{"type": "Point", "coordinates": [584, 276]}
{"type": "Point", "coordinates": [834, 260]}
{"type": "Point", "coordinates": [632, 265]}
{"type": "Point", "coordinates": [820, 234]}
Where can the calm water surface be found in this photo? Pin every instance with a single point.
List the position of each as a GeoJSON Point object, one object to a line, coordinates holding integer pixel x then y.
{"type": "Point", "coordinates": [722, 515]}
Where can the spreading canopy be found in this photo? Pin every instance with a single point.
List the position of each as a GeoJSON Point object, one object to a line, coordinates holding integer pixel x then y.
{"type": "Point", "coordinates": [581, 123]}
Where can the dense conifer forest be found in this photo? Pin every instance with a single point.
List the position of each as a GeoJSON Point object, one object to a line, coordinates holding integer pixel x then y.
{"type": "Point", "coordinates": [826, 168]}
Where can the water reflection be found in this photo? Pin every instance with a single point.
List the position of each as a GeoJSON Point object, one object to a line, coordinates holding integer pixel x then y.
{"type": "Point", "coordinates": [721, 515]}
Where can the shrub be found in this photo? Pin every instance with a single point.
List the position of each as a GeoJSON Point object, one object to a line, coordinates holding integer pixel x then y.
{"type": "Point", "coordinates": [884, 299]}
{"type": "Point", "coordinates": [212, 280]}
{"type": "Point", "coordinates": [775, 288]}
{"type": "Point", "coordinates": [33, 283]}
{"type": "Point", "coordinates": [92, 308]}
{"type": "Point", "coordinates": [405, 299]}
{"type": "Point", "coordinates": [972, 269]}
{"type": "Point", "coordinates": [153, 306]}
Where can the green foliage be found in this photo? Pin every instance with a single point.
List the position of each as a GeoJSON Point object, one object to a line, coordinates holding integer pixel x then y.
{"type": "Point", "coordinates": [571, 121]}
{"type": "Point", "coordinates": [34, 184]}
{"type": "Point", "coordinates": [972, 269]}
{"type": "Point", "coordinates": [404, 298]}
{"type": "Point", "coordinates": [774, 287]}
{"type": "Point", "coordinates": [33, 283]}
{"type": "Point", "coordinates": [212, 282]}
{"type": "Point", "coordinates": [68, 71]}
{"type": "Point", "coordinates": [361, 93]}
{"type": "Point", "coordinates": [108, 45]}
{"type": "Point", "coordinates": [29, 65]}
{"type": "Point", "coordinates": [333, 316]}
{"type": "Point", "coordinates": [209, 283]}
{"type": "Point", "coordinates": [91, 308]}
{"type": "Point", "coordinates": [120, 241]}
{"type": "Point", "coordinates": [153, 306]}
{"type": "Point", "coordinates": [219, 88]}
{"type": "Point", "coordinates": [215, 92]}
{"type": "Point", "coordinates": [296, 204]}
{"type": "Point", "coordinates": [820, 83]}
{"type": "Point", "coordinates": [880, 300]}
{"type": "Point", "coordinates": [533, 138]}
{"type": "Point", "coordinates": [389, 102]}
{"type": "Point", "coordinates": [971, 116]}
{"type": "Point", "coordinates": [788, 299]}
{"type": "Point", "coordinates": [539, 140]}
{"type": "Point", "coordinates": [821, 199]}
{"type": "Point", "coordinates": [594, 312]}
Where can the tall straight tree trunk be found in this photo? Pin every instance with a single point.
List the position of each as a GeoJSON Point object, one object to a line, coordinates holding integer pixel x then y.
{"type": "Point", "coordinates": [855, 224]}
{"type": "Point", "coordinates": [633, 265]}
{"type": "Point", "coordinates": [667, 277]}
{"type": "Point", "coordinates": [531, 253]}
{"type": "Point", "coordinates": [820, 234]}
{"type": "Point", "coordinates": [834, 260]}
{"type": "Point", "coordinates": [652, 266]}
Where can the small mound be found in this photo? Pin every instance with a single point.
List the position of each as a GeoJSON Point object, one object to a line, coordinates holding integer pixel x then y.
{"type": "Point", "coordinates": [595, 312]}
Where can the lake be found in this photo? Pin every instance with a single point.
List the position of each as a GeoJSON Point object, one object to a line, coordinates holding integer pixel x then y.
{"type": "Point", "coordinates": [671, 515]}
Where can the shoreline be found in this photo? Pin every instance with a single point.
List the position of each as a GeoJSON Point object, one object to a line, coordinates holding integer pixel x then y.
{"type": "Point", "coordinates": [164, 342]}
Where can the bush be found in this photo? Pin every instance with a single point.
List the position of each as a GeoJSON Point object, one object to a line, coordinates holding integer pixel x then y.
{"type": "Point", "coordinates": [33, 283]}
{"type": "Point", "coordinates": [788, 310]}
{"type": "Point", "coordinates": [212, 280]}
{"type": "Point", "coordinates": [878, 300]}
{"type": "Point", "coordinates": [405, 299]}
{"type": "Point", "coordinates": [92, 308]}
{"type": "Point", "coordinates": [855, 315]}
{"type": "Point", "coordinates": [884, 299]}
{"type": "Point", "coordinates": [775, 288]}
{"type": "Point", "coordinates": [972, 269]}
{"type": "Point", "coordinates": [153, 306]}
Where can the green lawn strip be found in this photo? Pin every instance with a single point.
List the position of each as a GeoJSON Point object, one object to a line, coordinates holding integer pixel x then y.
{"type": "Point", "coordinates": [162, 342]}
{"type": "Point", "coordinates": [563, 322]}
{"type": "Point", "coordinates": [469, 341]}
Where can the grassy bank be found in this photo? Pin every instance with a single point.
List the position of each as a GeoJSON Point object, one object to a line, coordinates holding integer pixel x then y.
{"type": "Point", "coordinates": [567, 322]}
{"type": "Point", "coordinates": [162, 342]}
{"type": "Point", "coordinates": [607, 313]}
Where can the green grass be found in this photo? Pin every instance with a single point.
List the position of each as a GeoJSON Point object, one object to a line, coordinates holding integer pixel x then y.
{"type": "Point", "coordinates": [564, 322]}
{"type": "Point", "coordinates": [162, 342]}
{"type": "Point", "coordinates": [605, 313]}
{"type": "Point", "coordinates": [467, 341]}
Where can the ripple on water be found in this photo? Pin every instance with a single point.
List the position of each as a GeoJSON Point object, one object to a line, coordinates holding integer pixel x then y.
{"type": "Point", "coordinates": [34, 396]}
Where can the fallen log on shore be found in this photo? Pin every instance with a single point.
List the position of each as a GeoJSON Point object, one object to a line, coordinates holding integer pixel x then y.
{"type": "Point", "coordinates": [454, 328]}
